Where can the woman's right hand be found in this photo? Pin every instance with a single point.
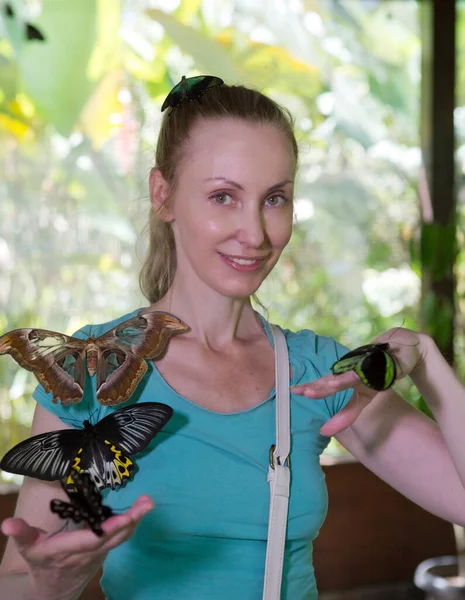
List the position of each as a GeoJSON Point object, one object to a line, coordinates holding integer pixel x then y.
{"type": "Point", "coordinates": [61, 565]}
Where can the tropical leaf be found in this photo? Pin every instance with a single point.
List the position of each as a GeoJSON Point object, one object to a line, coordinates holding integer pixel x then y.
{"type": "Point", "coordinates": [209, 56]}
{"type": "Point", "coordinates": [56, 79]}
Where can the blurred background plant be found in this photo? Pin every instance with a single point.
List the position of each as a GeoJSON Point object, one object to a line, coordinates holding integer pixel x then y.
{"type": "Point", "coordinates": [79, 115]}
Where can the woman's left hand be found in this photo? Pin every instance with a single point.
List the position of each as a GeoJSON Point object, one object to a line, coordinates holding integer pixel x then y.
{"type": "Point", "coordinates": [408, 349]}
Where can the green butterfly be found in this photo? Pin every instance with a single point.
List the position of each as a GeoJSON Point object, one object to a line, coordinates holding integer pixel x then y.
{"type": "Point", "coordinates": [373, 364]}
{"type": "Point", "coordinates": [190, 89]}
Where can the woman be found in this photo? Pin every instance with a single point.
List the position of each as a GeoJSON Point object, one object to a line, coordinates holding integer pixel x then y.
{"type": "Point", "coordinates": [222, 214]}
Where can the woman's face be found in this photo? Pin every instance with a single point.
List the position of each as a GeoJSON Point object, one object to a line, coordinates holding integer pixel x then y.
{"type": "Point", "coordinates": [232, 209]}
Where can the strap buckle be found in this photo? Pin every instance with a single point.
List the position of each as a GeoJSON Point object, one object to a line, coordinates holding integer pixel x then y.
{"type": "Point", "coordinates": [287, 460]}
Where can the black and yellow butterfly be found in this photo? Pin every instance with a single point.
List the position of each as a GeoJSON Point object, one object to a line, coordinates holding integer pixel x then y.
{"type": "Point", "coordinates": [85, 503]}
{"type": "Point", "coordinates": [190, 89]}
{"type": "Point", "coordinates": [102, 450]}
{"type": "Point", "coordinates": [373, 363]}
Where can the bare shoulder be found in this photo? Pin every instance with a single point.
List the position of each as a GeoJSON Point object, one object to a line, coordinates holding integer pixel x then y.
{"type": "Point", "coordinates": [34, 497]}
{"type": "Point", "coordinates": [44, 421]}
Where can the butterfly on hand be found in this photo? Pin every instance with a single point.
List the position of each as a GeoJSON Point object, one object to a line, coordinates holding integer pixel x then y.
{"type": "Point", "coordinates": [85, 503]}
{"type": "Point", "coordinates": [117, 357]}
{"type": "Point", "coordinates": [190, 89]}
{"type": "Point", "coordinates": [373, 363]}
{"type": "Point", "coordinates": [102, 450]}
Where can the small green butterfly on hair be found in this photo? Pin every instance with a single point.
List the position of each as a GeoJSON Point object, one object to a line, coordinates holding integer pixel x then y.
{"type": "Point", "coordinates": [373, 363]}
{"type": "Point", "coordinates": [189, 89]}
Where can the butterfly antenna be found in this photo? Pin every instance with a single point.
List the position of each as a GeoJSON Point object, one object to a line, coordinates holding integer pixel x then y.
{"type": "Point", "coordinates": [91, 414]}
{"type": "Point", "coordinates": [396, 329]}
{"type": "Point", "coordinates": [71, 421]}
{"type": "Point", "coordinates": [65, 526]}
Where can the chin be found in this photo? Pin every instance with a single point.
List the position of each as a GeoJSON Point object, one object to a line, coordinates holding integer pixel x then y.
{"type": "Point", "coordinates": [238, 290]}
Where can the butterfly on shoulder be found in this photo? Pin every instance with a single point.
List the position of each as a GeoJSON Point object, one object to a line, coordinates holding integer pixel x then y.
{"type": "Point", "coordinates": [373, 363]}
{"type": "Point", "coordinates": [118, 357]}
{"type": "Point", "coordinates": [190, 89]}
{"type": "Point", "coordinates": [85, 503]}
{"type": "Point", "coordinates": [102, 450]}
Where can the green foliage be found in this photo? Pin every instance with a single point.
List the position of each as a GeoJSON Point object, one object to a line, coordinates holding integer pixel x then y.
{"type": "Point", "coordinates": [77, 133]}
{"type": "Point", "coordinates": [438, 249]}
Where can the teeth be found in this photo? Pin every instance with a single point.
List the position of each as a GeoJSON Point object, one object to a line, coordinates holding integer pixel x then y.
{"type": "Point", "coordinates": [243, 261]}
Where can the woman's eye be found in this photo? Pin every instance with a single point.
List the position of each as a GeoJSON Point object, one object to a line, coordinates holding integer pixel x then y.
{"type": "Point", "coordinates": [274, 200]}
{"type": "Point", "coordinates": [221, 198]}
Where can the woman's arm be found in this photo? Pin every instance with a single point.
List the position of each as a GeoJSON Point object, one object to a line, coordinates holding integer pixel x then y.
{"type": "Point", "coordinates": [422, 459]}
{"type": "Point", "coordinates": [33, 506]}
{"type": "Point", "coordinates": [409, 452]}
{"type": "Point", "coordinates": [59, 567]}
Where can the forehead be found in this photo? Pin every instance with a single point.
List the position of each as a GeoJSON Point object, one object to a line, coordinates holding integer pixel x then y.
{"type": "Point", "coordinates": [237, 148]}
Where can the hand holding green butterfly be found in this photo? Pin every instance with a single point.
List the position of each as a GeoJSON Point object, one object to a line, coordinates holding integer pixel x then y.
{"type": "Point", "coordinates": [408, 349]}
{"type": "Point", "coordinates": [69, 559]}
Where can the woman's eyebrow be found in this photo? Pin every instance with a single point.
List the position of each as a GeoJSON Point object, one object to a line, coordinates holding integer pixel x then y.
{"type": "Point", "coordinates": [239, 186]}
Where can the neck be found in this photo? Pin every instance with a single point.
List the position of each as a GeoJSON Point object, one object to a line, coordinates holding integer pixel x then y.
{"type": "Point", "coordinates": [214, 320]}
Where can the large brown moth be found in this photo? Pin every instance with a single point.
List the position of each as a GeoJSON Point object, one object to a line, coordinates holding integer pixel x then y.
{"type": "Point", "coordinates": [117, 357]}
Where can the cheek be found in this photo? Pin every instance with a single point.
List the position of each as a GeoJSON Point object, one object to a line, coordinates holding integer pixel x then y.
{"type": "Point", "coordinates": [280, 231]}
{"type": "Point", "coordinates": [194, 227]}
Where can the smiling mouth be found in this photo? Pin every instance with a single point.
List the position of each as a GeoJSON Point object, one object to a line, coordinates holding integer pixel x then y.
{"type": "Point", "coordinates": [243, 264]}
{"type": "Point", "coordinates": [243, 261]}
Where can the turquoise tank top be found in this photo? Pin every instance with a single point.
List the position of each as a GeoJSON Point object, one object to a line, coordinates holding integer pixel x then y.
{"type": "Point", "coordinates": [206, 472]}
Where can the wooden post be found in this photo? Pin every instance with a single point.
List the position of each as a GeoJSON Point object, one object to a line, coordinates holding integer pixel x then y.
{"type": "Point", "coordinates": [437, 179]}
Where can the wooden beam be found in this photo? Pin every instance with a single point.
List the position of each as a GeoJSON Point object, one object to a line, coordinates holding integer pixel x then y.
{"type": "Point", "coordinates": [437, 180]}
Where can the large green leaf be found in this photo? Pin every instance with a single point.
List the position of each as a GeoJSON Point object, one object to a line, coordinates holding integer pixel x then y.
{"type": "Point", "coordinates": [273, 67]}
{"type": "Point", "coordinates": [54, 73]}
{"type": "Point", "coordinates": [209, 55]}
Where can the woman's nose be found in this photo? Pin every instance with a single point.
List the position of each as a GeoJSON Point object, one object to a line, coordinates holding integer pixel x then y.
{"type": "Point", "coordinates": [252, 230]}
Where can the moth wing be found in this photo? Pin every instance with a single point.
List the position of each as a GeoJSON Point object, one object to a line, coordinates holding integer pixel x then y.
{"type": "Point", "coordinates": [123, 350]}
{"type": "Point", "coordinates": [118, 374]}
{"type": "Point", "coordinates": [132, 428]}
{"type": "Point", "coordinates": [56, 359]}
{"type": "Point", "coordinates": [145, 335]}
{"type": "Point", "coordinates": [46, 456]}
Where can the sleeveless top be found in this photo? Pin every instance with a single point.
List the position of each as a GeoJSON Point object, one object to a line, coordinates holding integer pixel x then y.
{"type": "Point", "coordinates": [206, 472]}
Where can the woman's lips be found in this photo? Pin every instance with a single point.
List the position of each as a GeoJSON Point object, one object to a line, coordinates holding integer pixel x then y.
{"type": "Point", "coordinates": [242, 264]}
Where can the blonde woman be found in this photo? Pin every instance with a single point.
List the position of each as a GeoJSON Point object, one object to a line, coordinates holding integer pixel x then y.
{"type": "Point", "coordinates": [221, 194]}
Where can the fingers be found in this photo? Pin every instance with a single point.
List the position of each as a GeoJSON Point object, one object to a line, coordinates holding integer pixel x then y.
{"type": "Point", "coordinates": [118, 527]}
{"type": "Point", "coordinates": [23, 534]}
{"type": "Point", "coordinates": [74, 543]}
{"type": "Point", "coordinates": [338, 423]}
{"type": "Point", "coordinates": [141, 506]}
{"type": "Point", "coordinates": [327, 385]}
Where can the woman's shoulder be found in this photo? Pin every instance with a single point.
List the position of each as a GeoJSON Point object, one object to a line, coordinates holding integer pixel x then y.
{"type": "Point", "coordinates": [311, 354]}
{"type": "Point", "coordinates": [97, 329]}
{"type": "Point", "coordinates": [309, 343]}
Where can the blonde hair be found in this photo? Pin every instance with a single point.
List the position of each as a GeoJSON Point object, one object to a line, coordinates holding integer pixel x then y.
{"type": "Point", "coordinates": [224, 101]}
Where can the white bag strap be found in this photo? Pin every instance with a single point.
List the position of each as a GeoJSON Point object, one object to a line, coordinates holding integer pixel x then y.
{"type": "Point", "coordinates": [278, 473]}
